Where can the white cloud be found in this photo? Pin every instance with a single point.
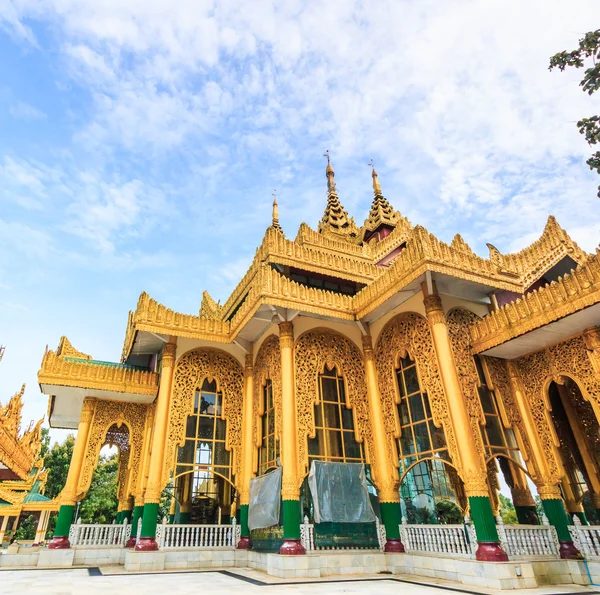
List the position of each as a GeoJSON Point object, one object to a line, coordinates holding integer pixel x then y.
{"type": "Point", "coordinates": [22, 110]}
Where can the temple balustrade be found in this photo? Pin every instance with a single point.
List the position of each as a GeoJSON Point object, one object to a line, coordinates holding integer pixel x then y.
{"type": "Point", "coordinates": [88, 535]}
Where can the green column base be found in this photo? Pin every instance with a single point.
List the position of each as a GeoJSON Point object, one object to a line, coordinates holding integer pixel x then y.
{"type": "Point", "coordinates": [557, 515]}
{"type": "Point", "coordinates": [127, 516]}
{"type": "Point", "coordinates": [527, 515]}
{"type": "Point", "coordinates": [391, 515]}
{"type": "Point", "coordinates": [291, 519]}
{"type": "Point", "coordinates": [483, 519]}
{"type": "Point", "coordinates": [488, 549]}
{"type": "Point", "coordinates": [138, 511]}
{"type": "Point", "coordinates": [244, 542]}
{"type": "Point", "coordinates": [245, 532]}
{"type": "Point", "coordinates": [185, 518]}
{"type": "Point", "coordinates": [171, 518]}
{"type": "Point", "coordinates": [149, 520]}
{"type": "Point", "coordinates": [119, 517]}
{"type": "Point", "coordinates": [64, 520]}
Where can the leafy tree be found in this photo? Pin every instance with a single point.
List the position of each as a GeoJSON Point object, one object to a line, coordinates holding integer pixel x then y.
{"type": "Point", "coordinates": [587, 54]}
{"type": "Point", "coordinates": [26, 529]}
{"type": "Point", "coordinates": [448, 513]}
{"type": "Point", "coordinates": [100, 504]}
{"type": "Point", "coordinates": [507, 511]}
{"type": "Point", "coordinates": [57, 461]}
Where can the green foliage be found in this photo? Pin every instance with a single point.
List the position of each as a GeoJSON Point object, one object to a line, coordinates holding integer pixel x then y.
{"type": "Point", "coordinates": [57, 461]}
{"type": "Point", "coordinates": [164, 506]}
{"type": "Point", "coordinates": [587, 52]}
{"type": "Point", "coordinates": [507, 511]}
{"type": "Point", "coordinates": [26, 529]}
{"type": "Point", "coordinates": [100, 504]}
{"type": "Point", "coordinates": [448, 513]}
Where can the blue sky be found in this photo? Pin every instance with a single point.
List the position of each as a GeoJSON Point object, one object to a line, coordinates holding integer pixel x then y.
{"type": "Point", "coordinates": [141, 140]}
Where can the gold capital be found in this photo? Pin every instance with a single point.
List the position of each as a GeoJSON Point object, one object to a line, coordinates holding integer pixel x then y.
{"type": "Point", "coordinates": [549, 491]}
{"type": "Point", "coordinates": [168, 355]}
{"type": "Point", "coordinates": [367, 343]}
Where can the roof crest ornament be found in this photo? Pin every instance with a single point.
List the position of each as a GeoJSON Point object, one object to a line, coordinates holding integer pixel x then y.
{"type": "Point", "coordinates": [275, 220]}
{"type": "Point", "coordinates": [376, 185]}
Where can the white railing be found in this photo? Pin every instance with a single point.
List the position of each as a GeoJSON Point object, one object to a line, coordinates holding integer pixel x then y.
{"type": "Point", "coordinates": [586, 538]}
{"type": "Point", "coordinates": [528, 540]}
{"type": "Point", "coordinates": [438, 539]}
{"type": "Point", "coordinates": [197, 536]}
{"type": "Point", "coordinates": [94, 535]}
{"type": "Point", "coordinates": [307, 538]}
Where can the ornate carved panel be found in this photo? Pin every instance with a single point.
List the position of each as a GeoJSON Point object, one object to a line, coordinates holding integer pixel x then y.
{"type": "Point", "coordinates": [190, 372]}
{"type": "Point", "coordinates": [410, 333]}
{"type": "Point", "coordinates": [314, 351]}
{"type": "Point", "coordinates": [109, 416]}
{"type": "Point", "coordinates": [266, 366]}
{"type": "Point", "coordinates": [571, 358]}
{"type": "Point", "coordinates": [534, 370]}
{"type": "Point", "coordinates": [501, 385]}
{"type": "Point", "coordinates": [459, 321]}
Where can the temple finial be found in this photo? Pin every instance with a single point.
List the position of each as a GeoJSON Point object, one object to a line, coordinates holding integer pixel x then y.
{"type": "Point", "coordinates": [329, 173]}
{"type": "Point", "coordinates": [275, 223]}
{"type": "Point", "coordinates": [376, 185]}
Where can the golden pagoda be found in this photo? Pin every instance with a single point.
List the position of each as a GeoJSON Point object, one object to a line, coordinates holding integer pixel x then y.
{"type": "Point", "coordinates": [435, 369]}
{"type": "Point", "coordinates": [22, 474]}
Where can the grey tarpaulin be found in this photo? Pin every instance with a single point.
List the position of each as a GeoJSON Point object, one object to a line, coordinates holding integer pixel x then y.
{"type": "Point", "coordinates": [339, 492]}
{"type": "Point", "coordinates": [265, 498]}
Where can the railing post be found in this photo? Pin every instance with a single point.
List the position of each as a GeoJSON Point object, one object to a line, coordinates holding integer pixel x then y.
{"type": "Point", "coordinates": [124, 532]}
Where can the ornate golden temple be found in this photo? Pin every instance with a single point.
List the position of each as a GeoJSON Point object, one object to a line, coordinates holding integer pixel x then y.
{"type": "Point", "coordinates": [448, 375]}
{"type": "Point", "coordinates": [22, 475]}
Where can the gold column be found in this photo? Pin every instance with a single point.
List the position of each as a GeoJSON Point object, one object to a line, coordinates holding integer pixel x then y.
{"type": "Point", "coordinates": [247, 450]}
{"type": "Point", "coordinates": [290, 483]}
{"type": "Point", "coordinates": [545, 481]}
{"type": "Point", "coordinates": [384, 471]}
{"type": "Point", "coordinates": [68, 496]}
{"type": "Point", "coordinates": [471, 468]}
{"type": "Point", "coordinates": [161, 419]}
{"type": "Point", "coordinates": [591, 466]}
{"type": "Point", "coordinates": [147, 541]}
{"type": "Point", "coordinates": [474, 474]}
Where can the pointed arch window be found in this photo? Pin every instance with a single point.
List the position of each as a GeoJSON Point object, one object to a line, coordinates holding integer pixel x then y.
{"type": "Point", "coordinates": [335, 439]}
{"type": "Point", "coordinates": [268, 453]}
{"type": "Point", "coordinates": [497, 438]}
{"type": "Point", "coordinates": [424, 456]}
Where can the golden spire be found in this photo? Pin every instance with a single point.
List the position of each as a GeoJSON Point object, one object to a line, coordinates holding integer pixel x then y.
{"type": "Point", "coordinates": [335, 221]}
{"type": "Point", "coordinates": [275, 223]}
{"type": "Point", "coordinates": [376, 185]}
{"type": "Point", "coordinates": [381, 212]}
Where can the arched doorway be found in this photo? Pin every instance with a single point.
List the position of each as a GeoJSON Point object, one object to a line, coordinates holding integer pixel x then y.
{"type": "Point", "coordinates": [578, 435]}
{"type": "Point", "coordinates": [202, 486]}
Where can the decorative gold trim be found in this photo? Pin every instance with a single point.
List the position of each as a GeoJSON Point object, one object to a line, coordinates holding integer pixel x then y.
{"type": "Point", "coordinates": [56, 370]}
{"type": "Point", "coordinates": [191, 370]}
{"type": "Point", "coordinates": [568, 295]}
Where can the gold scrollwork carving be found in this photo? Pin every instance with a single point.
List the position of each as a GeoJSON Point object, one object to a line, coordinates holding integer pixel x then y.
{"type": "Point", "coordinates": [107, 414]}
{"type": "Point", "coordinates": [500, 379]}
{"type": "Point", "coordinates": [315, 350]}
{"type": "Point", "coordinates": [267, 366]}
{"type": "Point", "coordinates": [459, 321]}
{"type": "Point", "coordinates": [409, 333]}
{"type": "Point", "coordinates": [190, 372]}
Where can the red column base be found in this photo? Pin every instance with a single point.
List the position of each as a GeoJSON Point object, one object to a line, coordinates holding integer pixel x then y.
{"type": "Point", "coordinates": [569, 552]}
{"type": "Point", "coordinates": [130, 542]}
{"type": "Point", "coordinates": [394, 546]}
{"type": "Point", "coordinates": [146, 544]}
{"type": "Point", "coordinates": [244, 543]}
{"type": "Point", "coordinates": [59, 543]}
{"type": "Point", "coordinates": [292, 547]}
{"type": "Point", "coordinates": [490, 552]}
